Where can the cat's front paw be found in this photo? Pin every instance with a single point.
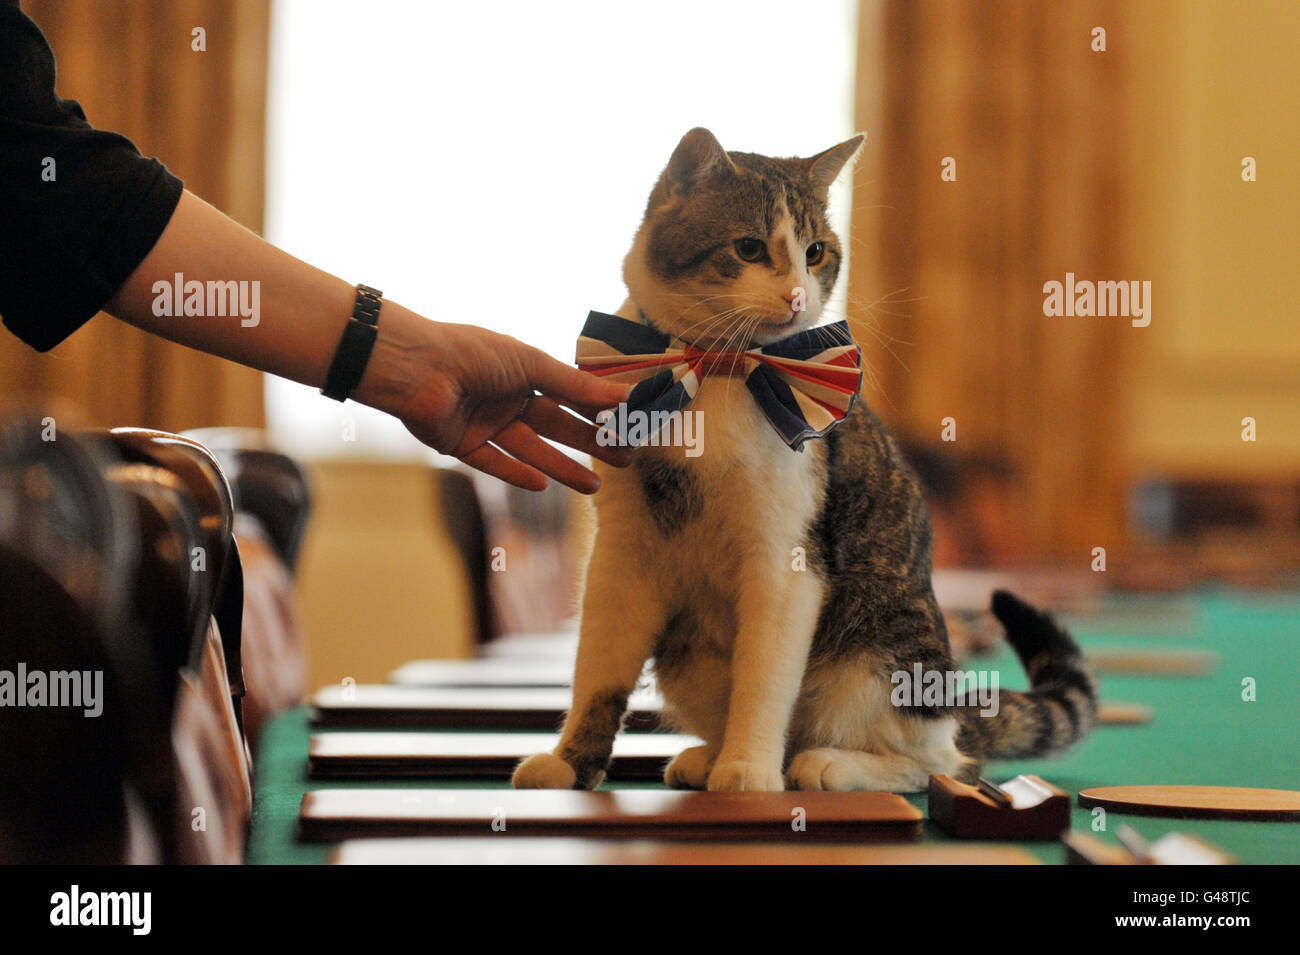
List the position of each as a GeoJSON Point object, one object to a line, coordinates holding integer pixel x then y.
{"type": "Point", "coordinates": [738, 775]}
{"type": "Point", "coordinates": [690, 768]}
{"type": "Point", "coordinates": [544, 771]}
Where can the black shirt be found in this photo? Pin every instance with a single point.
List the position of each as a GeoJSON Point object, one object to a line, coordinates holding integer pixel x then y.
{"type": "Point", "coordinates": [67, 244]}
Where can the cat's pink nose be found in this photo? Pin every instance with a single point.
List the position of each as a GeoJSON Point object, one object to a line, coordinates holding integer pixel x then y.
{"type": "Point", "coordinates": [796, 298]}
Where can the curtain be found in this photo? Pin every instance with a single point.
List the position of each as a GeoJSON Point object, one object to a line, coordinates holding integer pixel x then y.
{"type": "Point", "coordinates": [947, 277]}
{"type": "Point", "coordinates": [131, 65]}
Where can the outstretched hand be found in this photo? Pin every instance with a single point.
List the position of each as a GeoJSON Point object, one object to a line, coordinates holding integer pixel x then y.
{"type": "Point", "coordinates": [483, 397]}
{"type": "Point", "coordinates": [489, 400]}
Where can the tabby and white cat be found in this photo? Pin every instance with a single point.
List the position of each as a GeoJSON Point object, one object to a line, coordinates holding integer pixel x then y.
{"type": "Point", "coordinates": [783, 671]}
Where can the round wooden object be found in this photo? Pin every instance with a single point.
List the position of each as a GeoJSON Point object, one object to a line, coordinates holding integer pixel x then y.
{"type": "Point", "coordinates": [1123, 714]}
{"type": "Point", "coordinates": [1196, 802]}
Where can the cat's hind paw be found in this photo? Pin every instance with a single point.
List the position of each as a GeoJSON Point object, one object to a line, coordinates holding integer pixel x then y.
{"type": "Point", "coordinates": [742, 776]}
{"type": "Point", "coordinates": [544, 771]}
{"type": "Point", "coordinates": [844, 770]}
{"type": "Point", "coordinates": [825, 768]}
{"type": "Point", "coordinates": [690, 768]}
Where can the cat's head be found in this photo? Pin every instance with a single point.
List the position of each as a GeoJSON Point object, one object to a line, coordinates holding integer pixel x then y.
{"type": "Point", "coordinates": [729, 240]}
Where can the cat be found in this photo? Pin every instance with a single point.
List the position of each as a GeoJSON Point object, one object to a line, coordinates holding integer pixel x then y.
{"type": "Point", "coordinates": [783, 671]}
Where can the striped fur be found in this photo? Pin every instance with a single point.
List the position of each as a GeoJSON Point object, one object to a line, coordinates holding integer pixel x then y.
{"type": "Point", "coordinates": [1061, 705]}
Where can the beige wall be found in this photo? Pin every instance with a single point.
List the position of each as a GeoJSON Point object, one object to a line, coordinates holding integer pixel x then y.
{"type": "Point", "coordinates": [379, 581]}
{"type": "Point", "coordinates": [1215, 82]}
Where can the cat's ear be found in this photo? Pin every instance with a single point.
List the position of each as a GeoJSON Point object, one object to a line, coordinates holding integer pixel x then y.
{"type": "Point", "coordinates": [697, 157]}
{"type": "Point", "coordinates": [826, 166]}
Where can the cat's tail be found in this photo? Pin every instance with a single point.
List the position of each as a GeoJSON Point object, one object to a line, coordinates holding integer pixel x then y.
{"type": "Point", "coordinates": [1060, 706]}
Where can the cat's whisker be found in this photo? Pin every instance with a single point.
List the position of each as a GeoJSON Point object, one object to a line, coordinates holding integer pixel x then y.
{"type": "Point", "coordinates": [738, 319]}
{"type": "Point", "coordinates": [889, 297]}
{"type": "Point", "coordinates": [714, 320]}
{"type": "Point", "coordinates": [745, 335]}
{"type": "Point", "coordinates": [875, 330]}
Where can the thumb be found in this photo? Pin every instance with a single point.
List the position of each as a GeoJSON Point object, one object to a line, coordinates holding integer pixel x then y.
{"type": "Point", "coordinates": [569, 385]}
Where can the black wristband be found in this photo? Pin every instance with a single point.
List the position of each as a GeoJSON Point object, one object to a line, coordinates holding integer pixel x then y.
{"type": "Point", "coordinates": [355, 346]}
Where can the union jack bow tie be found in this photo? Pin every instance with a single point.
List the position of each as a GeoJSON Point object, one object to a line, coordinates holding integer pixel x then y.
{"type": "Point", "coordinates": [804, 384]}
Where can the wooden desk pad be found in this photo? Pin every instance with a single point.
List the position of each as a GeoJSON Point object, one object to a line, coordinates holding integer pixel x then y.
{"type": "Point", "coordinates": [461, 707]}
{"type": "Point", "coordinates": [1122, 714]}
{"type": "Point", "coordinates": [637, 756]}
{"type": "Point", "coordinates": [486, 672]}
{"type": "Point", "coordinates": [1146, 615]}
{"type": "Point", "coordinates": [1151, 662]}
{"type": "Point", "coordinates": [331, 815]}
{"type": "Point", "coordinates": [509, 850]}
{"type": "Point", "coordinates": [559, 646]}
{"type": "Point", "coordinates": [499, 673]}
{"type": "Point", "coordinates": [1196, 802]}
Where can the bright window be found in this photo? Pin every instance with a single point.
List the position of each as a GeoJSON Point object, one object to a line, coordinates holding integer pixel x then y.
{"type": "Point", "coordinates": [489, 162]}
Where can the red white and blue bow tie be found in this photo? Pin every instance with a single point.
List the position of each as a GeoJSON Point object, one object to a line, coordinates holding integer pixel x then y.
{"type": "Point", "coordinates": [804, 384]}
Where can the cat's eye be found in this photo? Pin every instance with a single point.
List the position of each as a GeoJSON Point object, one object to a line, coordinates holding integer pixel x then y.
{"type": "Point", "coordinates": [816, 252]}
{"type": "Point", "coordinates": [751, 250]}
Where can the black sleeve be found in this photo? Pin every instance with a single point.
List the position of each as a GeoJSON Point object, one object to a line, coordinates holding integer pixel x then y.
{"type": "Point", "coordinates": [71, 230]}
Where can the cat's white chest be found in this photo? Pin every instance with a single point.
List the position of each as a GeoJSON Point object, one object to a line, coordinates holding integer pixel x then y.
{"type": "Point", "coordinates": [736, 441]}
{"type": "Point", "coordinates": [756, 496]}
